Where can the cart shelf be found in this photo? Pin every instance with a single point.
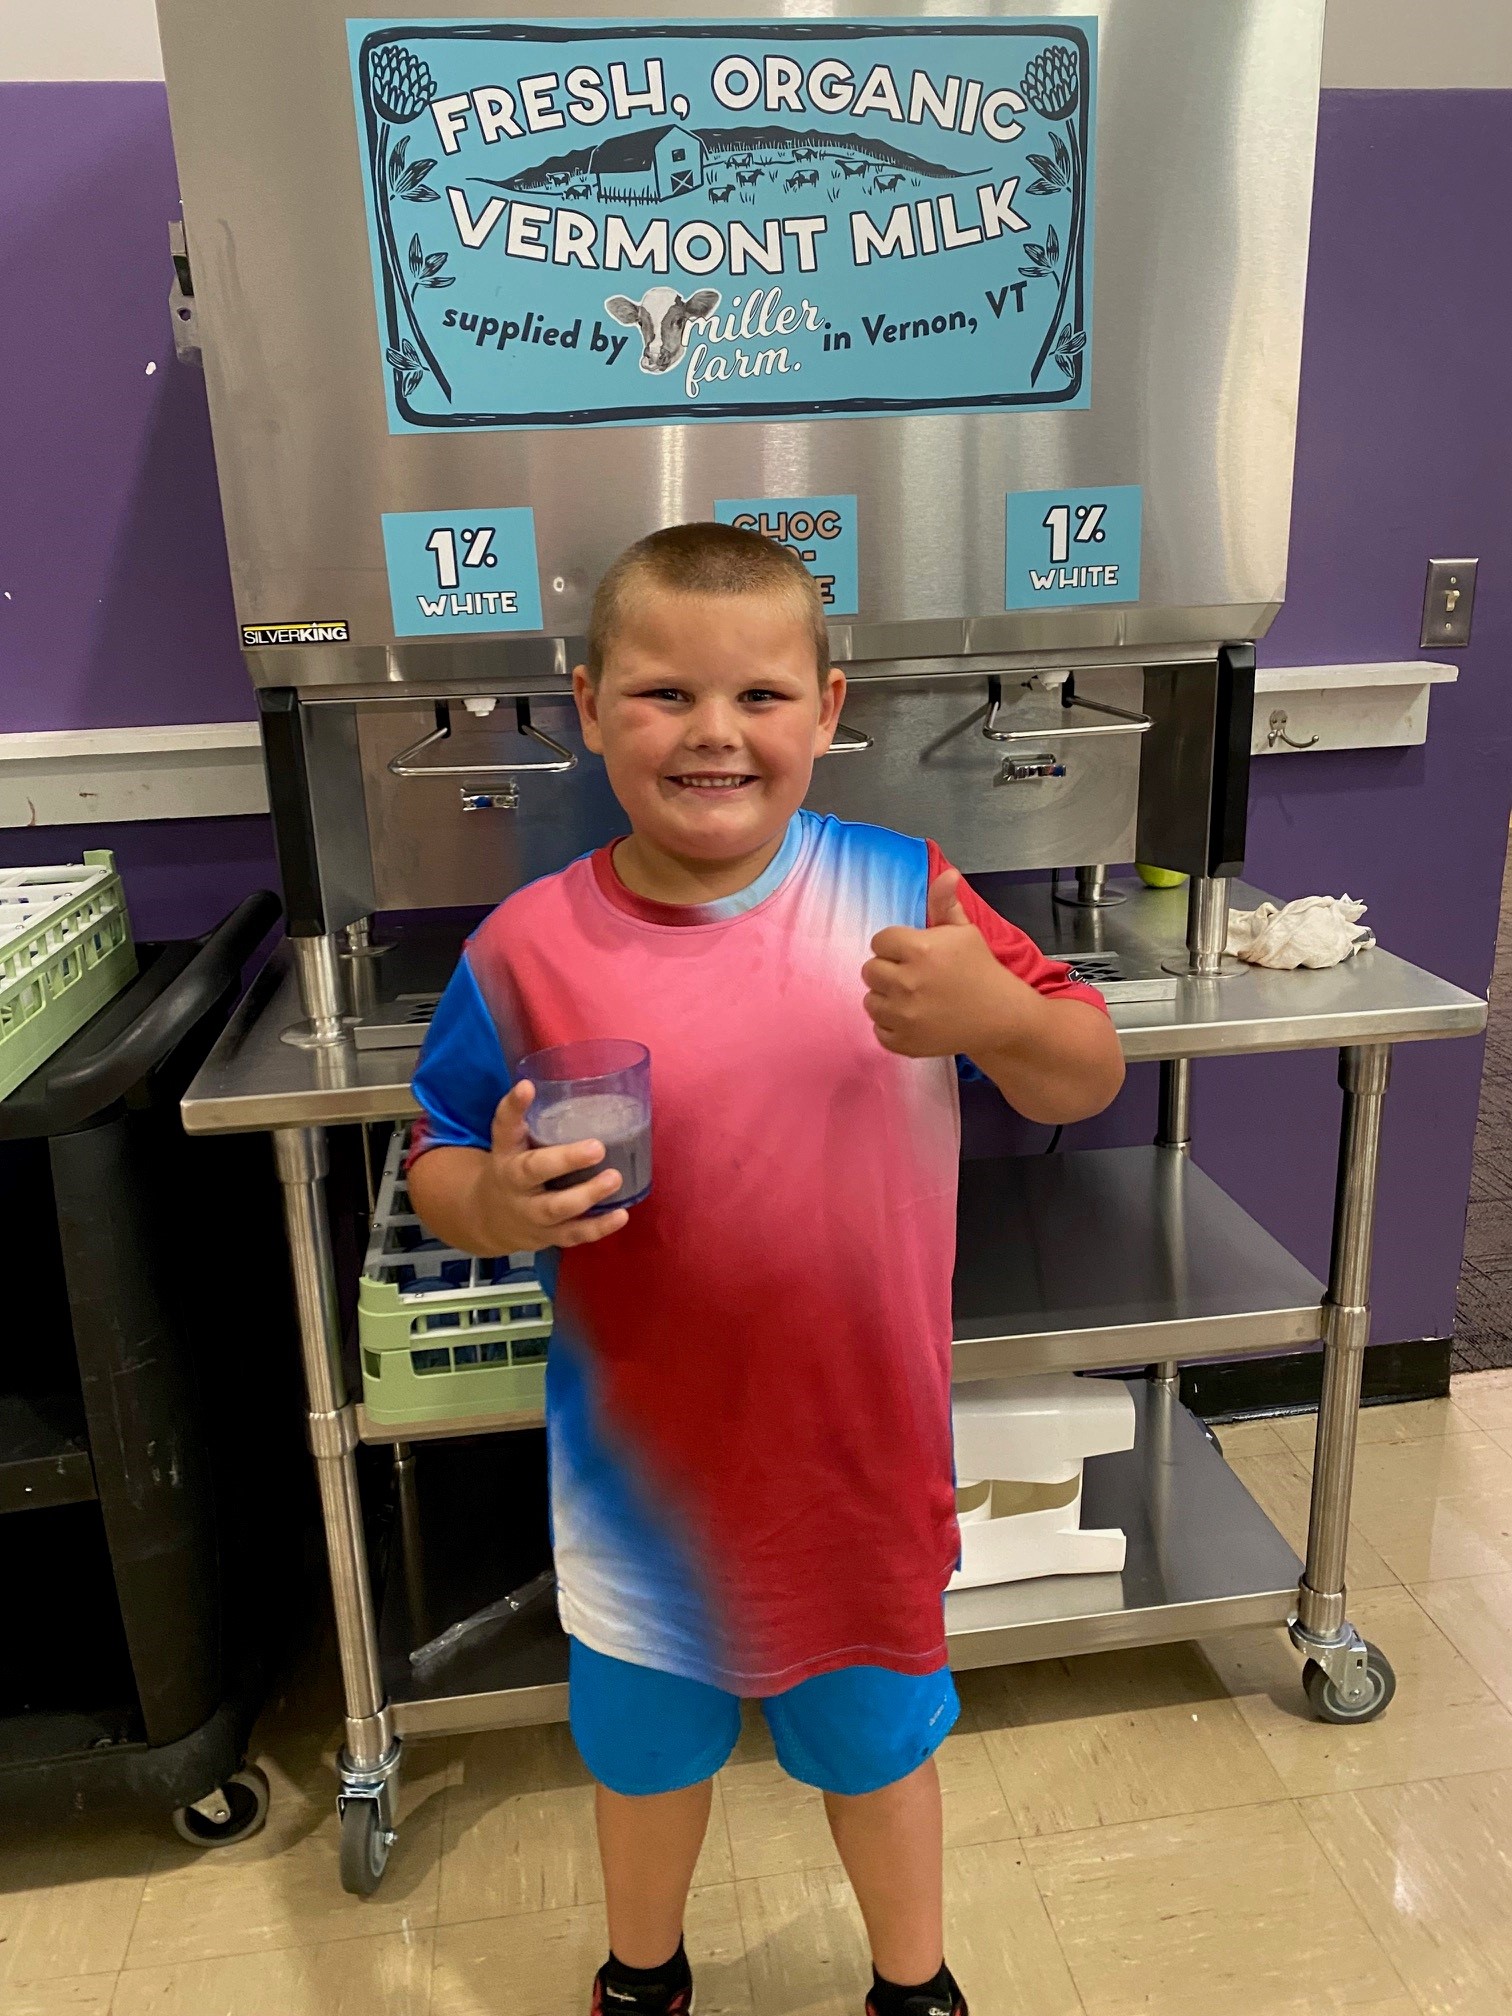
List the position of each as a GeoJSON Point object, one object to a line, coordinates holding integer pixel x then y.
{"type": "Point", "coordinates": [468, 1527]}
{"type": "Point", "coordinates": [519, 1678]}
{"type": "Point", "coordinates": [369, 1430]}
{"type": "Point", "coordinates": [254, 1080]}
{"type": "Point", "coordinates": [1113, 1257]}
{"type": "Point", "coordinates": [1202, 1556]}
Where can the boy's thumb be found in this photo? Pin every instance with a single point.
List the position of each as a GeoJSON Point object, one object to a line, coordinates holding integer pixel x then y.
{"type": "Point", "coordinates": [508, 1129]}
{"type": "Point", "coordinates": [945, 901]}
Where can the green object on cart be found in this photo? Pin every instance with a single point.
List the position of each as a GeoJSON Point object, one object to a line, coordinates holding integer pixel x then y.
{"type": "Point", "coordinates": [440, 1337]}
{"type": "Point", "coordinates": [1158, 878]}
{"type": "Point", "coordinates": [65, 950]}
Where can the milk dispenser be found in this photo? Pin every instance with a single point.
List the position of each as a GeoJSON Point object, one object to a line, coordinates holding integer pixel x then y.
{"type": "Point", "coordinates": [994, 316]}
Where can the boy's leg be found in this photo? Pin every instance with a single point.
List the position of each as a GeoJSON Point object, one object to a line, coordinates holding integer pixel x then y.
{"type": "Point", "coordinates": [866, 1737]}
{"type": "Point", "coordinates": [649, 1847]}
{"type": "Point", "coordinates": [653, 1741]}
{"type": "Point", "coordinates": [892, 1845]}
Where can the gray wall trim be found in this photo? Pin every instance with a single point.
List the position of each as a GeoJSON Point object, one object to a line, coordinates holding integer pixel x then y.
{"type": "Point", "coordinates": [1418, 45]}
{"type": "Point", "coordinates": [78, 41]}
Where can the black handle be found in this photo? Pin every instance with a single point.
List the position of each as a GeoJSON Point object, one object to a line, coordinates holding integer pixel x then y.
{"type": "Point", "coordinates": [110, 1073]}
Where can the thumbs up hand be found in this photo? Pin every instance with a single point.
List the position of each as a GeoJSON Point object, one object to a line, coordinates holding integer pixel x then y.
{"type": "Point", "coordinates": [945, 901]}
{"type": "Point", "coordinates": [940, 992]}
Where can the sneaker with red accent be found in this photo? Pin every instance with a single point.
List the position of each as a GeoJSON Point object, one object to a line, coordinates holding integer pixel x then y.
{"type": "Point", "coordinates": [611, 1998]}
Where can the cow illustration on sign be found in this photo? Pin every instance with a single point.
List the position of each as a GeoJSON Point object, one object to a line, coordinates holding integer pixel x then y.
{"type": "Point", "coordinates": [662, 317]}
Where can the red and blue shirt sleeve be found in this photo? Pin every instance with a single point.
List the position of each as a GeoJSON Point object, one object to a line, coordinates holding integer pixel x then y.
{"type": "Point", "coordinates": [462, 1074]}
{"type": "Point", "coordinates": [1013, 948]}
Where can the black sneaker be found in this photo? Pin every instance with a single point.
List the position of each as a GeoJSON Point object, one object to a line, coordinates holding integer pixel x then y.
{"type": "Point", "coordinates": [610, 1999]}
{"type": "Point", "coordinates": [927, 2002]}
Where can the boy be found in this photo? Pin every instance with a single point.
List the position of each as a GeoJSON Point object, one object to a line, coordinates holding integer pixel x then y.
{"type": "Point", "coordinates": [748, 1390]}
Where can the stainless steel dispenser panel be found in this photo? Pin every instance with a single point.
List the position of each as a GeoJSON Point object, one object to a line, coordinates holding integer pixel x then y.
{"type": "Point", "coordinates": [933, 772]}
{"type": "Point", "coordinates": [1205, 138]}
{"type": "Point", "coordinates": [928, 770]}
{"type": "Point", "coordinates": [431, 853]}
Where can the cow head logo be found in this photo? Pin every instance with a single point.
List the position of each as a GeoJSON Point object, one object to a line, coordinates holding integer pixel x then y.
{"type": "Point", "coordinates": [662, 317]}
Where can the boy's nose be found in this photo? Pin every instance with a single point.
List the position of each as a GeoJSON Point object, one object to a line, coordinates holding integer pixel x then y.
{"type": "Point", "coordinates": [713, 726]}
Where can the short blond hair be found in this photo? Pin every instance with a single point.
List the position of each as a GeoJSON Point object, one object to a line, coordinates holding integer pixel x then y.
{"type": "Point", "coordinates": [706, 559]}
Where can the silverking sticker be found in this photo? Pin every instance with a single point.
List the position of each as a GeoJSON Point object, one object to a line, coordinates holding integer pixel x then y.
{"type": "Point", "coordinates": [255, 634]}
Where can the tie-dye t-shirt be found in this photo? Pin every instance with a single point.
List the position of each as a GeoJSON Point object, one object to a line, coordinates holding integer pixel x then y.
{"type": "Point", "coordinates": [748, 1388]}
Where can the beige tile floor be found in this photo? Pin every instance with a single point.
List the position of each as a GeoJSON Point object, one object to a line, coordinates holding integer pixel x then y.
{"type": "Point", "coordinates": [1148, 1831]}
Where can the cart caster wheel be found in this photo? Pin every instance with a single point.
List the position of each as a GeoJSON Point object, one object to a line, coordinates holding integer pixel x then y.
{"type": "Point", "coordinates": [234, 1812]}
{"type": "Point", "coordinates": [1330, 1706]}
{"type": "Point", "coordinates": [365, 1845]}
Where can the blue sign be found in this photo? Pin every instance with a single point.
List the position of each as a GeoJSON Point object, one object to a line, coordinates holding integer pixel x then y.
{"type": "Point", "coordinates": [1067, 547]}
{"type": "Point", "coordinates": [460, 572]}
{"type": "Point", "coordinates": [820, 530]}
{"type": "Point", "coordinates": [578, 221]}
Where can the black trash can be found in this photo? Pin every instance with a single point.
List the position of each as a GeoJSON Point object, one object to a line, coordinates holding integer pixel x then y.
{"type": "Point", "coordinates": [153, 1489]}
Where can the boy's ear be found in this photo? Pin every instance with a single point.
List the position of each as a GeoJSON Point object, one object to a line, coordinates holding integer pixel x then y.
{"type": "Point", "coordinates": [831, 700]}
{"type": "Point", "coordinates": [585, 693]}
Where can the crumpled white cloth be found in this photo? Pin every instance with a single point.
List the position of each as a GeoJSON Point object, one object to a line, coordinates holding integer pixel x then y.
{"type": "Point", "coordinates": [1313, 931]}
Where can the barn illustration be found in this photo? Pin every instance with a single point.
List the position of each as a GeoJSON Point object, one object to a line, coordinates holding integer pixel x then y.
{"type": "Point", "coordinates": [659, 162]}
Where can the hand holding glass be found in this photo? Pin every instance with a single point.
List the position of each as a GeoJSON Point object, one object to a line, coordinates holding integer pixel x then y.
{"type": "Point", "coordinates": [596, 1090]}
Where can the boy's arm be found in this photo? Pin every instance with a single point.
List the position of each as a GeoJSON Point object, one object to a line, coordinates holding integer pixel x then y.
{"type": "Point", "coordinates": [1051, 1051]}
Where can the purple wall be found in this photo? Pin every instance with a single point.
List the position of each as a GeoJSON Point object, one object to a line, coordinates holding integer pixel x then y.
{"type": "Point", "coordinates": [1404, 449]}
{"type": "Point", "coordinates": [120, 614]}
{"type": "Point", "coordinates": [111, 549]}
{"type": "Point", "coordinates": [181, 875]}
{"type": "Point", "coordinates": [116, 611]}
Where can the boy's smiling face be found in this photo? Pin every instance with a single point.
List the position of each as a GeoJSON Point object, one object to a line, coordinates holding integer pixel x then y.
{"type": "Point", "coordinates": [709, 715]}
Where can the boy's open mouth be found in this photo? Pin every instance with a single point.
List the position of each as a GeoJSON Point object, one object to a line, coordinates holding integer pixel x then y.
{"type": "Point", "coordinates": [712, 780]}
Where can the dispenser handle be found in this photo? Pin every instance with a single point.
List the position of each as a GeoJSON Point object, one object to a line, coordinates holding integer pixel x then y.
{"type": "Point", "coordinates": [1122, 722]}
{"type": "Point", "coordinates": [403, 765]}
{"type": "Point", "coordinates": [1026, 769]}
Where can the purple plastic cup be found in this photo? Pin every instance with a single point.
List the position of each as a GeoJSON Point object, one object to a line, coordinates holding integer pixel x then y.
{"type": "Point", "coordinates": [597, 1090]}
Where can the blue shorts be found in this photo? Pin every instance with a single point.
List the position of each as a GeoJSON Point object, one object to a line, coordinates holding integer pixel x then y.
{"type": "Point", "coordinates": [854, 1731]}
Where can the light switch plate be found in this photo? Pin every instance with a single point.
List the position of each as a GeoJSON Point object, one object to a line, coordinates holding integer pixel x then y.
{"type": "Point", "coordinates": [1449, 605]}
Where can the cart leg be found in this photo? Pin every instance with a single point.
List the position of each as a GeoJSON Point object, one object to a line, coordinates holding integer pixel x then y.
{"type": "Point", "coordinates": [1347, 1679]}
{"type": "Point", "coordinates": [370, 1760]}
{"type": "Point", "coordinates": [414, 1542]}
{"type": "Point", "coordinates": [1174, 1131]}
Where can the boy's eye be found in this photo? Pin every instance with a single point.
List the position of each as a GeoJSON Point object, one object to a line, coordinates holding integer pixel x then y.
{"type": "Point", "coordinates": [757, 696]}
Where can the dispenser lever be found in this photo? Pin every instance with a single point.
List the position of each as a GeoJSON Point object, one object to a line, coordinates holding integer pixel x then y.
{"type": "Point", "coordinates": [404, 765]}
{"type": "Point", "coordinates": [1122, 722]}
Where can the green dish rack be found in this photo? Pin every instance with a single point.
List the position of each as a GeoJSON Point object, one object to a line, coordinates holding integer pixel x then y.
{"type": "Point", "coordinates": [65, 950]}
{"type": "Point", "coordinates": [442, 1336]}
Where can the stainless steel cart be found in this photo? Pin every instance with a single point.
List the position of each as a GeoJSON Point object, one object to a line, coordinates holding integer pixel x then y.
{"type": "Point", "coordinates": [1169, 1269]}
